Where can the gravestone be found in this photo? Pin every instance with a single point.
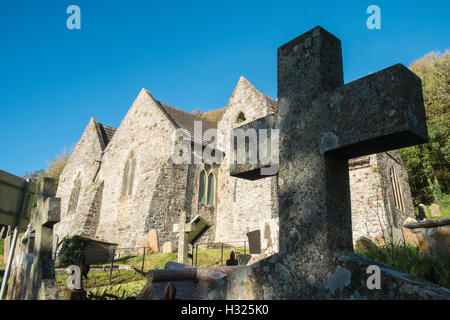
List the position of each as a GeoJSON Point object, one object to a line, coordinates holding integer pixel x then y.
{"type": "Point", "coordinates": [42, 283]}
{"type": "Point", "coordinates": [167, 247]}
{"type": "Point", "coordinates": [150, 242]}
{"type": "Point", "coordinates": [189, 232]}
{"type": "Point", "coordinates": [183, 228]}
{"type": "Point", "coordinates": [254, 241]}
{"type": "Point", "coordinates": [408, 236]}
{"type": "Point", "coordinates": [6, 246]}
{"type": "Point", "coordinates": [322, 124]}
{"type": "Point", "coordinates": [422, 209]}
{"type": "Point", "coordinates": [21, 267]}
{"type": "Point", "coordinates": [232, 261]}
{"type": "Point", "coordinates": [435, 212]}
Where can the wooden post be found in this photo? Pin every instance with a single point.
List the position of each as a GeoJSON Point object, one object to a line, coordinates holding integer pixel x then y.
{"type": "Point", "coordinates": [143, 260]}
{"type": "Point", "coordinates": [112, 263]}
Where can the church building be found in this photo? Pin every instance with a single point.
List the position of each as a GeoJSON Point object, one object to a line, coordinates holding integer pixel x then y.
{"type": "Point", "coordinates": [121, 183]}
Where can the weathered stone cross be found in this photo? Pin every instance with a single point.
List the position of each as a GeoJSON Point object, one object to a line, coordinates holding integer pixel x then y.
{"type": "Point", "coordinates": [322, 123]}
{"type": "Point", "coordinates": [42, 284]}
{"type": "Point", "coordinates": [183, 228]}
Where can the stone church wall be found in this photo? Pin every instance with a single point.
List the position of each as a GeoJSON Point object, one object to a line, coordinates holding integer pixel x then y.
{"type": "Point", "coordinates": [243, 205]}
{"type": "Point", "coordinates": [146, 132]}
{"type": "Point", "coordinates": [81, 162]}
{"type": "Point", "coordinates": [368, 212]}
{"type": "Point", "coordinates": [395, 217]}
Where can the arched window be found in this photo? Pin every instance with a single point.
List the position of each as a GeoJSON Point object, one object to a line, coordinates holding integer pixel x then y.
{"type": "Point", "coordinates": [211, 187]}
{"type": "Point", "coordinates": [202, 187]}
{"type": "Point", "coordinates": [396, 190]}
{"type": "Point", "coordinates": [240, 118]}
{"type": "Point", "coordinates": [206, 187]}
{"type": "Point", "coordinates": [128, 176]}
{"type": "Point", "coordinates": [75, 194]}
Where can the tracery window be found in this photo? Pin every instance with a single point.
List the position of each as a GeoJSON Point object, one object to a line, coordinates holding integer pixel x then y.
{"type": "Point", "coordinates": [206, 187]}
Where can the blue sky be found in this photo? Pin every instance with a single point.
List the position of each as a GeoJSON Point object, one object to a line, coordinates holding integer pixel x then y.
{"type": "Point", "coordinates": [189, 54]}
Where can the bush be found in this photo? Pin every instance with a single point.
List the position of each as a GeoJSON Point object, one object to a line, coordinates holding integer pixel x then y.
{"type": "Point", "coordinates": [71, 249]}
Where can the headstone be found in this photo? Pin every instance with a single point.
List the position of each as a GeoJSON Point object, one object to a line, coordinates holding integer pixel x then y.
{"type": "Point", "coordinates": [435, 212]}
{"type": "Point", "coordinates": [183, 228]}
{"type": "Point", "coordinates": [150, 242]}
{"type": "Point", "coordinates": [364, 243]}
{"type": "Point", "coordinates": [21, 267]}
{"type": "Point", "coordinates": [167, 247]}
{"type": "Point", "coordinates": [409, 236]}
{"type": "Point", "coordinates": [232, 261]}
{"type": "Point", "coordinates": [254, 241]}
{"type": "Point", "coordinates": [422, 212]}
{"type": "Point", "coordinates": [322, 124]}
{"type": "Point", "coordinates": [6, 247]}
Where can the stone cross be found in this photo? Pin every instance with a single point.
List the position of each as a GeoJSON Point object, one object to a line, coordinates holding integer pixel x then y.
{"type": "Point", "coordinates": [43, 284]}
{"type": "Point", "coordinates": [183, 228]}
{"type": "Point", "coordinates": [322, 124]}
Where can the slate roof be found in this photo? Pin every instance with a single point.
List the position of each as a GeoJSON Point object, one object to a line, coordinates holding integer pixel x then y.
{"type": "Point", "coordinates": [185, 120]}
{"type": "Point", "coordinates": [106, 132]}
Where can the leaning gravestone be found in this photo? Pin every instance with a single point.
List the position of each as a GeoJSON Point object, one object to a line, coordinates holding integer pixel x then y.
{"type": "Point", "coordinates": [322, 123]}
{"type": "Point", "coordinates": [422, 212]}
{"type": "Point", "coordinates": [435, 212]}
{"type": "Point", "coordinates": [6, 246]}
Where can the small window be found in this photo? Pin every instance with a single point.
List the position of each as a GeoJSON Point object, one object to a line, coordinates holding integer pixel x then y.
{"type": "Point", "coordinates": [211, 186]}
{"type": "Point", "coordinates": [128, 176]}
{"type": "Point", "coordinates": [75, 194]}
{"type": "Point", "coordinates": [240, 118]}
{"type": "Point", "coordinates": [202, 187]}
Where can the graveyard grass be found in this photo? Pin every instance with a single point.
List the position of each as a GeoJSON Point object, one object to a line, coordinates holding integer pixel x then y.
{"type": "Point", "coordinates": [128, 283]}
{"type": "Point", "coordinates": [406, 258]}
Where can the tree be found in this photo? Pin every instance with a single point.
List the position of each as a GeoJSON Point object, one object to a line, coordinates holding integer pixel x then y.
{"type": "Point", "coordinates": [54, 170]}
{"type": "Point", "coordinates": [428, 165]}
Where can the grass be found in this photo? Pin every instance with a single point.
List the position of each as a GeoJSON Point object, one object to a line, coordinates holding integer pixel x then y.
{"type": "Point", "coordinates": [122, 281]}
{"type": "Point", "coordinates": [407, 259]}
{"type": "Point", "coordinates": [124, 291]}
{"type": "Point", "coordinates": [206, 258]}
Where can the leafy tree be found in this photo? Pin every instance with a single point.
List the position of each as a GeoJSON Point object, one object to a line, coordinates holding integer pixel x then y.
{"type": "Point", "coordinates": [54, 170]}
{"type": "Point", "coordinates": [428, 165]}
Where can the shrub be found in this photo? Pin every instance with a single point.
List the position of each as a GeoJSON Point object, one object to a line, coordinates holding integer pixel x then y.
{"type": "Point", "coordinates": [71, 249]}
